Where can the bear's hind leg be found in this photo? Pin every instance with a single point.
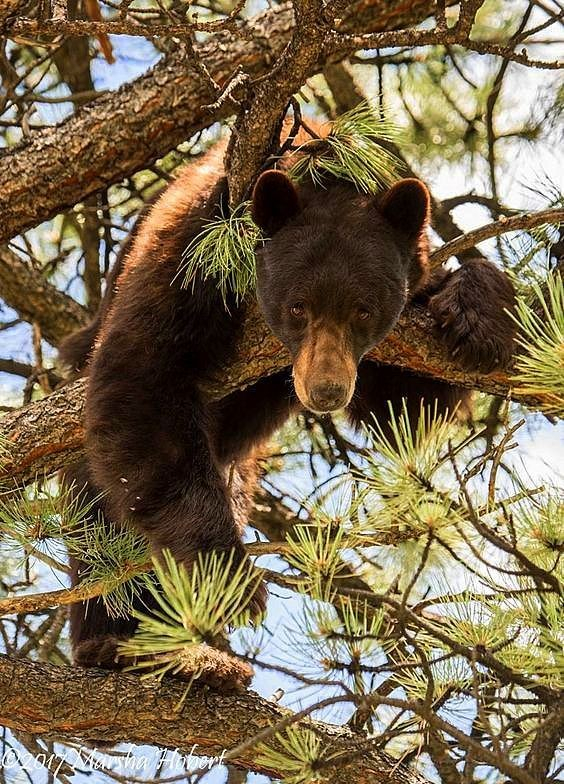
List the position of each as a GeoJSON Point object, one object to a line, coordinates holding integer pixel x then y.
{"type": "Point", "coordinates": [95, 633]}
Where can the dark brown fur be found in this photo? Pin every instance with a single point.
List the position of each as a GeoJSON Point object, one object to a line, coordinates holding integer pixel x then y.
{"type": "Point", "coordinates": [163, 456]}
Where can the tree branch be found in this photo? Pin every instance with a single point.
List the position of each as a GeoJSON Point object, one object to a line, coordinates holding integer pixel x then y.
{"type": "Point", "coordinates": [124, 131]}
{"type": "Point", "coordinates": [9, 9]}
{"type": "Point", "coordinates": [15, 368]}
{"type": "Point", "coordinates": [48, 434]}
{"type": "Point", "coordinates": [546, 741]}
{"type": "Point", "coordinates": [342, 44]}
{"type": "Point", "coordinates": [257, 126]}
{"type": "Point", "coordinates": [554, 216]}
{"type": "Point", "coordinates": [21, 603]}
{"type": "Point", "coordinates": [24, 370]}
{"type": "Point", "coordinates": [64, 704]}
{"type": "Point", "coordinates": [26, 290]}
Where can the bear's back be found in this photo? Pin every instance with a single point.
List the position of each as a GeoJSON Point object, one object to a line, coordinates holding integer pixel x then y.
{"type": "Point", "coordinates": [193, 194]}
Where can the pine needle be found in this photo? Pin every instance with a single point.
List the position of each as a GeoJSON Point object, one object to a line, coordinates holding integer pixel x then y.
{"type": "Point", "coordinates": [353, 151]}
{"type": "Point", "coordinates": [225, 251]}
{"type": "Point", "coordinates": [400, 483]}
{"type": "Point", "coordinates": [193, 607]}
{"type": "Point", "coordinates": [112, 554]}
{"type": "Point", "coordinates": [35, 515]}
{"type": "Point", "coordinates": [540, 368]}
{"type": "Point", "coordinates": [297, 755]}
{"type": "Point", "coordinates": [316, 550]}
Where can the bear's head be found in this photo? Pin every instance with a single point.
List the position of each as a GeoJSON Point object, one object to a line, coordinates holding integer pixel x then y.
{"type": "Point", "coordinates": [335, 274]}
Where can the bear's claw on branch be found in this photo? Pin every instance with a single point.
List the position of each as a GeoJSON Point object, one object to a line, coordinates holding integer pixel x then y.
{"type": "Point", "coordinates": [202, 663]}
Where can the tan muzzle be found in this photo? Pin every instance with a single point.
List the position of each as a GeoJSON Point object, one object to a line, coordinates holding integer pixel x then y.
{"type": "Point", "coordinates": [324, 370]}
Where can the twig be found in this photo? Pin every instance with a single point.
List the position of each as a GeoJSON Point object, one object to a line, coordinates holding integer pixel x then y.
{"type": "Point", "coordinates": [502, 226]}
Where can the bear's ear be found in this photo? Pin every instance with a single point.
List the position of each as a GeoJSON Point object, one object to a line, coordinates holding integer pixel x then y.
{"type": "Point", "coordinates": [407, 206]}
{"type": "Point", "coordinates": [275, 201]}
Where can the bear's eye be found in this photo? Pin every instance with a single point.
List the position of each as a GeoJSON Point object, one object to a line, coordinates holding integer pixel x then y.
{"type": "Point", "coordinates": [363, 314]}
{"type": "Point", "coordinates": [297, 310]}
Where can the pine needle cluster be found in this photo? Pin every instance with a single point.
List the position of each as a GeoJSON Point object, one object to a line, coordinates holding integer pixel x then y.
{"type": "Point", "coordinates": [540, 364]}
{"type": "Point", "coordinates": [405, 490]}
{"type": "Point", "coordinates": [297, 753]}
{"type": "Point", "coordinates": [191, 608]}
{"type": "Point", "coordinates": [354, 151]}
{"type": "Point", "coordinates": [224, 251]}
{"type": "Point", "coordinates": [41, 522]}
{"type": "Point", "coordinates": [413, 516]}
{"type": "Point", "coordinates": [114, 557]}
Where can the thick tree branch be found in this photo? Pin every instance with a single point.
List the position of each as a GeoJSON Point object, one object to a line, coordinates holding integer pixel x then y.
{"type": "Point", "coordinates": [257, 125]}
{"type": "Point", "coordinates": [123, 131]}
{"type": "Point", "coordinates": [65, 704]}
{"type": "Point", "coordinates": [48, 434]}
{"type": "Point", "coordinates": [548, 736]}
{"type": "Point", "coordinates": [29, 293]}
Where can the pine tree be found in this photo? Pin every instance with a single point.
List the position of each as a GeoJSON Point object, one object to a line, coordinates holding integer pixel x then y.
{"type": "Point", "coordinates": [416, 571]}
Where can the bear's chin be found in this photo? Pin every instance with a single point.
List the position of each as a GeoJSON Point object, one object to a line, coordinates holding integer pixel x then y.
{"type": "Point", "coordinates": [309, 406]}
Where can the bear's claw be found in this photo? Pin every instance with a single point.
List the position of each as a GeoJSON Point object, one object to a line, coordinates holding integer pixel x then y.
{"type": "Point", "coordinates": [199, 663]}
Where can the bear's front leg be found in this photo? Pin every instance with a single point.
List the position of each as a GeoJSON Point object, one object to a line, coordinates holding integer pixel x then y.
{"type": "Point", "coordinates": [470, 307]}
{"type": "Point", "coordinates": [149, 451]}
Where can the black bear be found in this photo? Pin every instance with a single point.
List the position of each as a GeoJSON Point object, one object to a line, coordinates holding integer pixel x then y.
{"type": "Point", "coordinates": [333, 278]}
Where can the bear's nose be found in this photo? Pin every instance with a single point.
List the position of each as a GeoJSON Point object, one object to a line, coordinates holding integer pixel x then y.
{"type": "Point", "coordinates": [328, 396]}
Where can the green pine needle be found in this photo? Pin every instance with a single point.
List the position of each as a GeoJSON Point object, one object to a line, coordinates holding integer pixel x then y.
{"type": "Point", "coordinates": [296, 756]}
{"type": "Point", "coordinates": [540, 533]}
{"type": "Point", "coordinates": [342, 635]}
{"type": "Point", "coordinates": [450, 676]}
{"type": "Point", "coordinates": [194, 607]}
{"type": "Point", "coordinates": [38, 521]}
{"type": "Point", "coordinates": [353, 151]}
{"type": "Point", "coordinates": [540, 368]}
{"type": "Point", "coordinates": [36, 515]}
{"type": "Point", "coordinates": [316, 550]}
{"type": "Point", "coordinates": [225, 251]}
{"type": "Point", "coordinates": [115, 556]}
{"type": "Point", "coordinates": [403, 490]}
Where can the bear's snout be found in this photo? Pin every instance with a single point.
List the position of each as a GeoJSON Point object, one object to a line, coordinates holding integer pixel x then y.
{"type": "Point", "coordinates": [329, 396]}
{"type": "Point", "coordinates": [324, 368]}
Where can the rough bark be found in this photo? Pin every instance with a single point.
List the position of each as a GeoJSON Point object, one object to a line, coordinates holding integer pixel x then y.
{"type": "Point", "coordinates": [64, 703]}
{"type": "Point", "coordinates": [547, 738]}
{"type": "Point", "coordinates": [48, 434]}
{"type": "Point", "coordinates": [10, 8]}
{"type": "Point", "coordinates": [256, 127]}
{"type": "Point", "coordinates": [29, 293]}
{"type": "Point", "coordinates": [123, 131]}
